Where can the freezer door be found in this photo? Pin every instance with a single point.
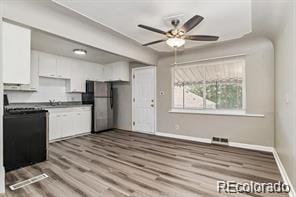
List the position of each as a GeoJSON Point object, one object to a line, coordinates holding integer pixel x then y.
{"type": "Point", "coordinates": [103, 89]}
{"type": "Point", "coordinates": [103, 114]}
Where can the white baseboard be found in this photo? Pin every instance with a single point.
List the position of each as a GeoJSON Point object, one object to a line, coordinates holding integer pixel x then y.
{"type": "Point", "coordinates": [2, 180]}
{"type": "Point", "coordinates": [183, 137]}
{"type": "Point", "coordinates": [69, 137]}
{"type": "Point", "coordinates": [206, 140]}
{"type": "Point", "coordinates": [283, 173]}
{"type": "Point", "coordinates": [251, 146]}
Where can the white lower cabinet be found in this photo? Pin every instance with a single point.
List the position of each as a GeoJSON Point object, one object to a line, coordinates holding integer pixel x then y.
{"type": "Point", "coordinates": [67, 122]}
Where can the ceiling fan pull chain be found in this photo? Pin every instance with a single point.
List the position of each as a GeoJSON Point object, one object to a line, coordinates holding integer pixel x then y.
{"type": "Point", "coordinates": [175, 59]}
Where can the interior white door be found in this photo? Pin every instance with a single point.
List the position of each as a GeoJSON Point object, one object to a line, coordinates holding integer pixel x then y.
{"type": "Point", "coordinates": [144, 99]}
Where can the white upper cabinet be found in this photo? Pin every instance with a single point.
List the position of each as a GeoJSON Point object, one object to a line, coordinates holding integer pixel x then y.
{"type": "Point", "coordinates": [34, 85]}
{"type": "Point", "coordinates": [47, 65]}
{"type": "Point", "coordinates": [16, 54]}
{"type": "Point", "coordinates": [64, 67]}
{"type": "Point", "coordinates": [54, 66]}
{"type": "Point", "coordinates": [117, 71]}
{"type": "Point", "coordinates": [77, 81]}
{"type": "Point", "coordinates": [93, 71]}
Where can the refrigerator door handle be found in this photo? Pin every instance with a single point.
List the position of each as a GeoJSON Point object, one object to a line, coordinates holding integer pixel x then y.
{"type": "Point", "coordinates": [111, 97]}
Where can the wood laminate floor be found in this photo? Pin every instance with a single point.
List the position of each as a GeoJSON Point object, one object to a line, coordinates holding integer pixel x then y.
{"type": "Point", "coordinates": [121, 163]}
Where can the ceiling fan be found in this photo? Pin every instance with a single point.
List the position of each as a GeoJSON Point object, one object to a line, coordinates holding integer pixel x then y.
{"type": "Point", "coordinates": [176, 37]}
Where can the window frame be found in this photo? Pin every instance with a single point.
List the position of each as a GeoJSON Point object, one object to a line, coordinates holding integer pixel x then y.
{"type": "Point", "coordinates": [204, 63]}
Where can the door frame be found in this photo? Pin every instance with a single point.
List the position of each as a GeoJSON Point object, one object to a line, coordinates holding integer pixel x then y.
{"type": "Point", "coordinates": [155, 99]}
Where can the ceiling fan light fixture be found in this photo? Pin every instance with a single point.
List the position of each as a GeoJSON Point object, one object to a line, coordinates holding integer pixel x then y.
{"type": "Point", "coordinates": [175, 42]}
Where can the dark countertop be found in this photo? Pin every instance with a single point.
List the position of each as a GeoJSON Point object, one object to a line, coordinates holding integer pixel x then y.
{"type": "Point", "coordinates": [46, 105]}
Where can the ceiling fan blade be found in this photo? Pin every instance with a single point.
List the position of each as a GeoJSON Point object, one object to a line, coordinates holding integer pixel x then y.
{"type": "Point", "coordinates": [154, 42]}
{"type": "Point", "coordinates": [201, 38]}
{"type": "Point", "coordinates": [152, 29]}
{"type": "Point", "coordinates": [191, 23]}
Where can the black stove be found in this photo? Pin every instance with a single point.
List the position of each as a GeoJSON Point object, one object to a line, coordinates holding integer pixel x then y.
{"type": "Point", "coordinates": [25, 136]}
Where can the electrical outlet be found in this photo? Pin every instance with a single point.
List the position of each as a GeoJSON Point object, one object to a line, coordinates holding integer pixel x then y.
{"type": "Point", "coordinates": [177, 127]}
{"type": "Point", "coordinates": [287, 99]}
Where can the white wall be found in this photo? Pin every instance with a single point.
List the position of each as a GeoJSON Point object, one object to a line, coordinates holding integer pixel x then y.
{"type": "Point", "coordinates": [48, 89]}
{"type": "Point", "coordinates": [285, 61]}
{"type": "Point", "coordinates": [260, 96]}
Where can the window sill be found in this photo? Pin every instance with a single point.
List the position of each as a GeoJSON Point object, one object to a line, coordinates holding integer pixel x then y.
{"type": "Point", "coordinates": [216, 112]}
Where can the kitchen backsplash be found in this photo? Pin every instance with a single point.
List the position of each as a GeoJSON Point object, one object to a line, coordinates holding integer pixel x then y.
{"type": "Point", "coordinates": [48, 89]}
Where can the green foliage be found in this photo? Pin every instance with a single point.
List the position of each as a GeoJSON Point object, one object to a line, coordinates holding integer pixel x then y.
{"type": "Point", "coordinates": [225, 95]}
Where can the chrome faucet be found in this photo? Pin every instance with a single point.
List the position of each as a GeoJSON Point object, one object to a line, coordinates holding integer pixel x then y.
{"type": "Point", "coordinates": [52, 102]}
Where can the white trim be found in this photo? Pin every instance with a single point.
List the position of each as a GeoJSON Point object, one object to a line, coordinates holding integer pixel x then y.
{"type": "Point", "coordinates": [251, 146]}
{"type": "Point", "coordinates": [155, 98]}
{"type": "Point", "coordinates": [2, 180]}
{"type": "Point", "coordinates": [184, 137]}
{"type": "Point", "coordinates": [209, 59]}
{"type": "Point", "coordinates": [283, 173]}
{"type": "Point", "coordinates": [206, 140]}
{"type": "Point", "coordinates": [69, 137]}
{"type": "Point", "coordinates": [216, 112]}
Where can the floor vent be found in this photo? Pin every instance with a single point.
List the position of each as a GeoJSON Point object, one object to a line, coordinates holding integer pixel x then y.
{"type": "Point", "coordinates": [220, 141]}
{"type": "Point", "coordinates": [28, 181]}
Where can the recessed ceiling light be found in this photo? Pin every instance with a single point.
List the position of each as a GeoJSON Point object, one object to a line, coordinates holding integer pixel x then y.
{"type": "Point", "coordinates": [80, 51]}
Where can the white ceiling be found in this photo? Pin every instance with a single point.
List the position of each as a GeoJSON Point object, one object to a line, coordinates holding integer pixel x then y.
{"type": "Point", "coordinates": [227, 19]}
{"type": "Point", "coordinates": [52, 44]}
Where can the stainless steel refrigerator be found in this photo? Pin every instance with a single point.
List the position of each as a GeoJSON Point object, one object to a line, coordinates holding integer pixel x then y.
{"type": "Point", "coordinates": [103, 106]}
{"type": "Point", "coordinates": [100, 95]}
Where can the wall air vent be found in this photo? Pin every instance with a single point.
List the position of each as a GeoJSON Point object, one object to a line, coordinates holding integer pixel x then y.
{"type": "Point", "coordinates": [220, 141]}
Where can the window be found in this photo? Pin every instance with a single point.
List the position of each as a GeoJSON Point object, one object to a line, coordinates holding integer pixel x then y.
{"type": "Point", "coordinates": [215, 85]}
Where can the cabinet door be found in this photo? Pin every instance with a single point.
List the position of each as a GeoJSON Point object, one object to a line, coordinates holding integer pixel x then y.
{"type": "Point", "coordinates": [54, 126]}
{"type": "Point", "coordinates": [117, 71]}
{"type": "Point", "coordinates": [12, 87]}
{"type": "Point", "coordinates": [47, 65]}
{"type": "Point", "coordinates": [34, 85]}
{"type": "Point", "coordinates": [65, 122]}
{"type": "Point", "coordinates": [77, 81]}
{"type": "Point", "coordinates": [79, 119]}
{"type": "Point", "coordinates": [108, 72]}
{"type": "Point", "coordinates": [76, 85]}
{"type": "Point", "coordinates": [122, 73]}
{"type": "Point", "coordinates": [85, 121]}
{"type": "Point", "coordinates": [16, 54]}
{"type": "Point", "coordinates": [88, 71]}
{"type": "Point", "coordinates": [99, 72]}
{"type": "Point", "coordinates": [64, 67]}
{"type": "Point", "coordinates": [76, 123]}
